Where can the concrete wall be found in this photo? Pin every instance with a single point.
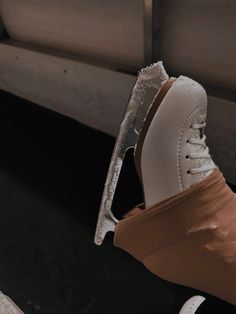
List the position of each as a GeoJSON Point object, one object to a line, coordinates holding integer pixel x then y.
{"type": "Point", "coordinates": [91, 94]}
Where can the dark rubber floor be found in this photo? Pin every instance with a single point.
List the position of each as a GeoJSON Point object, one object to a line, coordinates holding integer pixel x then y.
{"type": "Point", "coordinates": [52, 172]}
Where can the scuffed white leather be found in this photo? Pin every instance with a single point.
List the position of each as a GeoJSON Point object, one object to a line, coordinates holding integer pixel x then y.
{"type": "Point", "coordinates": [163, 160]}
{"type": "Point", "coordinates": [7, 306]}
{"type": "Point", "coordinates": [192, 304]}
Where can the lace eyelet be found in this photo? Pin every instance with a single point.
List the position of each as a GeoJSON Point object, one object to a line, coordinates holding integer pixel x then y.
{"type": "Point", "coordinates": [188, 172]}
{"type": "Point", "coordinates": [187, 156]}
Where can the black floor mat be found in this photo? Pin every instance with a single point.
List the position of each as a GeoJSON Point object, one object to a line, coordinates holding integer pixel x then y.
{"type": "Point", "coordinates": [52, 172]}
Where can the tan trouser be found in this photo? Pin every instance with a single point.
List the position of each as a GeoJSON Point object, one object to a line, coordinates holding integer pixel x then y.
{"type": "Point", "coordinates": [189, 239]}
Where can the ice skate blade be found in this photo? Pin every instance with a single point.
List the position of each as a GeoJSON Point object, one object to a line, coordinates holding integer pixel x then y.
{"type": "Point", "coordinates": [143, 94]}
{"type": "Point", "coordinates": [126, 140]}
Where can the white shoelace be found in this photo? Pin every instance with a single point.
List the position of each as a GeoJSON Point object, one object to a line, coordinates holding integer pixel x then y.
{"type": "Point", "coordinates": [201, 155]}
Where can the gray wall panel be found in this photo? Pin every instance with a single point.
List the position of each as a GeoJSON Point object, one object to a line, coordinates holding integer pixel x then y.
{"type": "Point", "coordinates": [198, 38]}
{"type": "Point", "coordinates": [111, 30]}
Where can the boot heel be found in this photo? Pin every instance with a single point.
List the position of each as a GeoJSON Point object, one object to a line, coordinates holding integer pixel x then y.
{"type": "Point", "coordinates": [143, 94]}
